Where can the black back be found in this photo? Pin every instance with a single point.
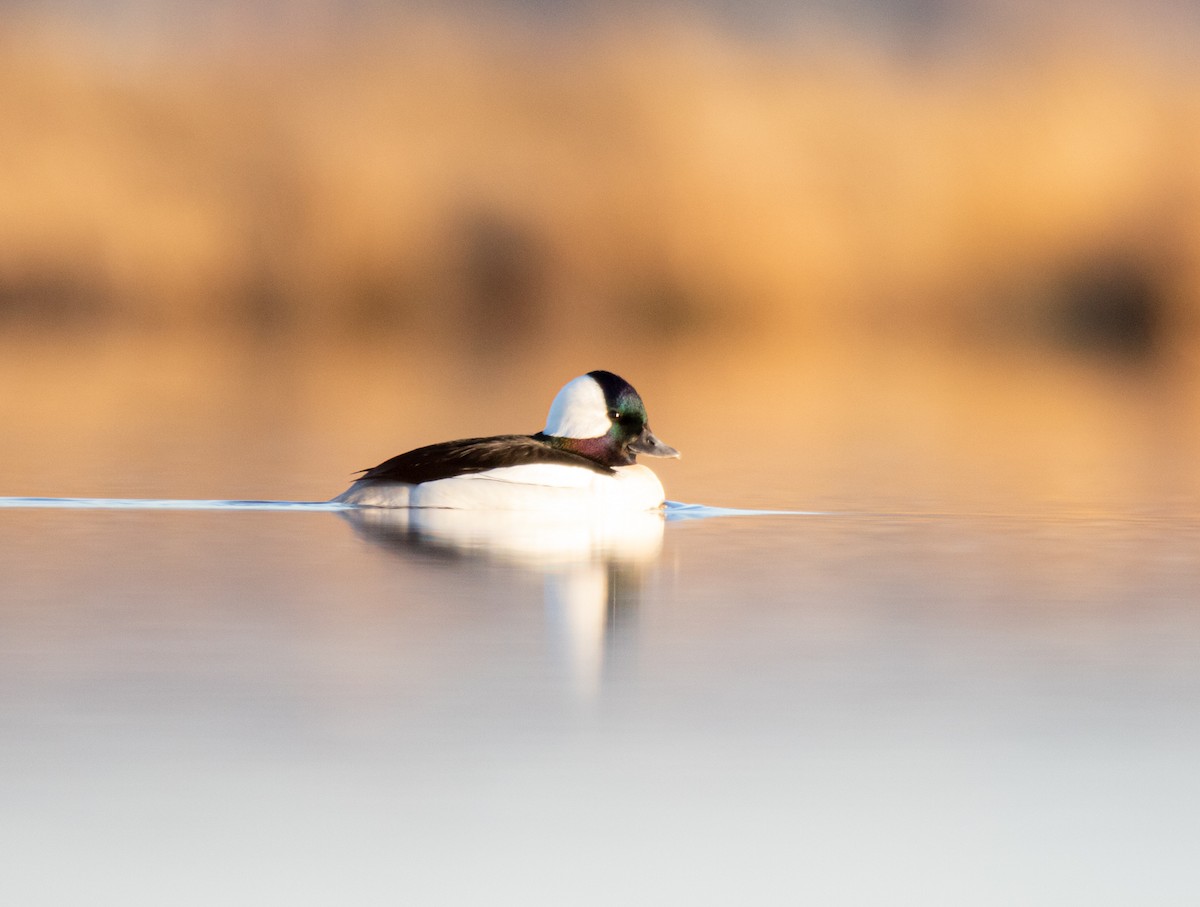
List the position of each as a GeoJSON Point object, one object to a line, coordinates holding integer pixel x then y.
{"type": "Point", "coordinates": [460, 458]}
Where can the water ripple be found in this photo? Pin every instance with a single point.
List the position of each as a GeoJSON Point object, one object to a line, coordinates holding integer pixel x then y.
{"type": "Point", "coordinates": [163, 504]}
{"type": "Point", "coordinates": [674, 510]}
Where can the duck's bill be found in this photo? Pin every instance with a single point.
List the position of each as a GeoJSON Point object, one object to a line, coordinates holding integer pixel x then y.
{"type": "Point", "coordinates": [647, 444]}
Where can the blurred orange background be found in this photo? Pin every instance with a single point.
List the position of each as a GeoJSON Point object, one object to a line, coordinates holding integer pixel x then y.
{"type": "Point", "coordinates": [941, 263]}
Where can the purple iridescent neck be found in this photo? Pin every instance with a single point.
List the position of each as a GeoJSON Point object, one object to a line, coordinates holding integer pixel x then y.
{"type": "Point", "coordinates": [603, 450]}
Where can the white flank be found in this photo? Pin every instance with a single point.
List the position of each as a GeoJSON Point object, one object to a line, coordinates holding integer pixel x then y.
{"type": "Point", "coordinates": [544, 487]}
{"type": "Point", "coordinates": [579, 411]}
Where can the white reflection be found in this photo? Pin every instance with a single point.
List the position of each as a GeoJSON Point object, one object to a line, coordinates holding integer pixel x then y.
{"type": "Point", "coordinates": [591, 564]}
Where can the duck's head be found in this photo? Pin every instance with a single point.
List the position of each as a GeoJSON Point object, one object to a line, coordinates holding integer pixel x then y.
{"type": "Point", "coordinates": [600, 416]}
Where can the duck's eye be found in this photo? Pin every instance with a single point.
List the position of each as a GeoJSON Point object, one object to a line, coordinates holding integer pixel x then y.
{"type": "Point", "coordinates": [615, 416]}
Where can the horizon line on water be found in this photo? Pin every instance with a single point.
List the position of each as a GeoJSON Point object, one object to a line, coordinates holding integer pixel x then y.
{"type": "Point", "coordinates": [674, 511]}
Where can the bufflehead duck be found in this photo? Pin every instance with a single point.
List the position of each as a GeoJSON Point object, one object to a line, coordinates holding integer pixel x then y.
{"type": "Point", "coordinates": [585, 458]}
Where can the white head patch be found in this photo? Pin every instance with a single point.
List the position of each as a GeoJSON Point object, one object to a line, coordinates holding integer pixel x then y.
{"type": "Point", "coordinates": [579, 411]}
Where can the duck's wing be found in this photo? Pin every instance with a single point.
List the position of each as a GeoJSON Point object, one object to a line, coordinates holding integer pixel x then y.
{"type": "Point", "coordinates": [460, 458]}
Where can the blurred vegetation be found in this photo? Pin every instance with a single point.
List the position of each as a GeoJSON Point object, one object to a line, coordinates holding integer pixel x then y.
{"type": "Point", "coordinates": [489, 183]}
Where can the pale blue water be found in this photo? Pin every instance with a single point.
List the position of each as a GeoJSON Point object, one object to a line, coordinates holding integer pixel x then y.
{"type": "Point", "coordinates": [208, 702]}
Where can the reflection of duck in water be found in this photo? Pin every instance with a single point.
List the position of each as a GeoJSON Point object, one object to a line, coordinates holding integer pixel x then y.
{"type": "Point", "coordinates": [523, 537]}
{"type": "Point", "coordinates": [585, 459]}
{"type": "Point", "coordinates": [590, 564]}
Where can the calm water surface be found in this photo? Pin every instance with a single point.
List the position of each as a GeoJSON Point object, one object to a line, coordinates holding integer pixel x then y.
{"type": "Point", "coordinates": [308, 707]}
{"type": "Point", "coordinates": [970, 678]}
